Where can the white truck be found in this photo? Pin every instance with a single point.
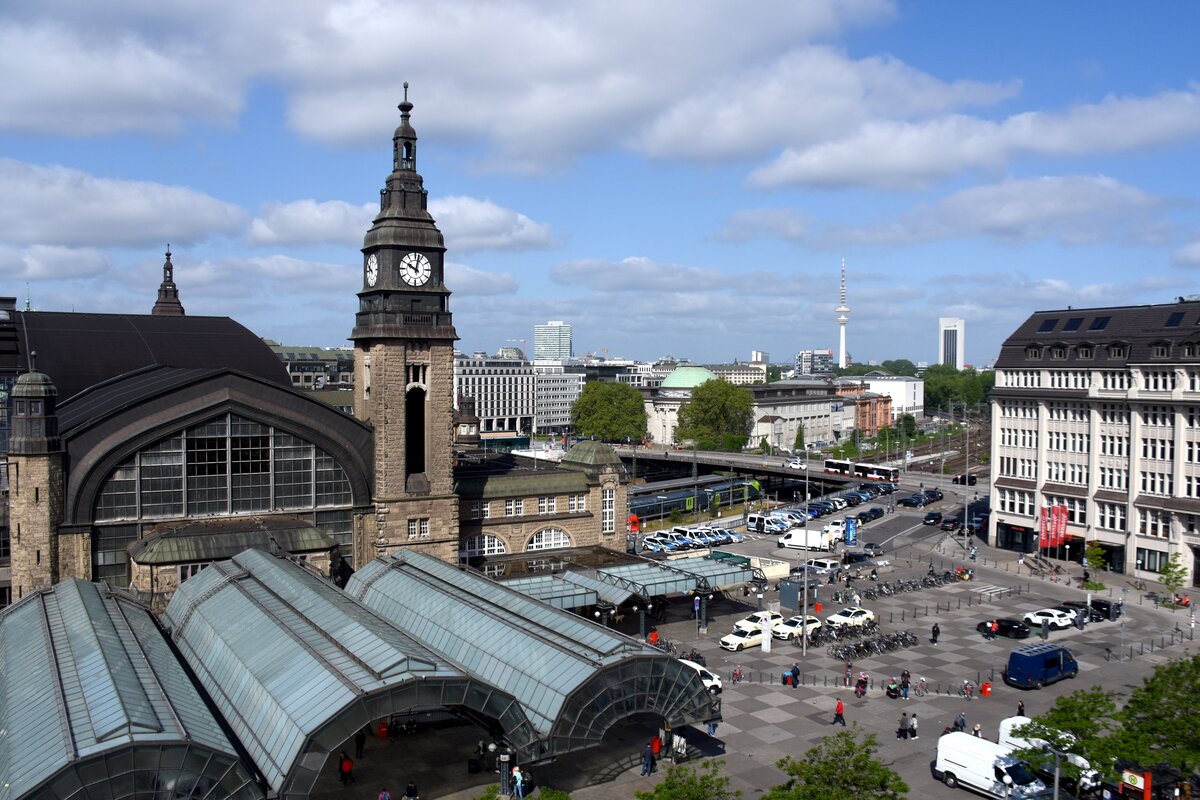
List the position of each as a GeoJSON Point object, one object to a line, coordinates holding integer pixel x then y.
{"type": "Point", "coordinates": [806, 539]}
{"type": "Point", "coordinates": [985, 767]}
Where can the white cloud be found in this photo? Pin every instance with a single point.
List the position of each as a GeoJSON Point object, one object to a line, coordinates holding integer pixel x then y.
{"type": "Point", "coordinates": [62, 206]}
{"type": "Point", "coordinates": [470, 224]}
{"type": "Point", "coordinates": [311, 222]}
{"type": "Point", "coordinates": [1071, 210]}
{"type": "Point", "coordinates": [636, 274]}
{"type": "Point", "coordinates": [469, 282]}
{"type": "Point", "coordinates": [1187, 256]}
{"type": "Point", "coordinates": [780, 223]}
{"type": "Point", "coordinates": [49, 262]}
{"type": "Point", "coordinates": [895, 154]}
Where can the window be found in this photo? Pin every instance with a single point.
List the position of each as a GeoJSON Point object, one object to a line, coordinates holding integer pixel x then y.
{"type": "Point", "coordinates": [1047, 325]}
{"type": "Point", "coordinates": [480, 509]}
{"type": "Point", "coordinates": [1099, 324]}
{"type": "Point", "coordinates": [482, 545]}
{"type": "Point", "coordinates": [577, 503]}
{"type": "Point", "coordinates": [514, 508]}
{"type": "Point", "coordinates": [4, 546]}
{"type": "Point", "coordinates": [1084, 351]}
{"type": "Point", "coordinates": [547, 505]}
{"type": "Point", "coordinates": [1152, 560]}
{"type": "Point", "coordinates": [418, 528]}
{"type": "Point", "coordinates": [190, 570]}
{"type": "Point", "coordinates": [548, 539]}
{"type": "Point", "coordinates": [608, 510]}
{"type": "Point", "coordinates": [1058, 353]}
{"type": "Point", "coordinates": [1073, 324]}
{"type": "Point", "coordinates": [1033, 352]}
{"type": "Point", "coordinates": [1160, 350]}
{"type": "Point", "coordinates": [1174, 320]}
{"type": "Point", "coordinates": [1117, 351]}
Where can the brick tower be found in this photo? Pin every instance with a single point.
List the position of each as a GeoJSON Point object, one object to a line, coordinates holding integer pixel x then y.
{"type": "Point", "coordinates": [404, 366]}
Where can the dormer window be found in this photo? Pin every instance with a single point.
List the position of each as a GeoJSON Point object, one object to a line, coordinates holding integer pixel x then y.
{"type": "Point", "coordinates": [1058, 353]}
{"type": "Point", "coordinates": [1033, 353]}
{"type": "Point", "coordinates": [1160, 350]}
{"type": "Point", "coordinates": [1117, 351]}
{"type": "Point", "coordinates": [1084, 351]}
{"type": "Point", "coordinates": [1189, 351]}
{"type": "Point", "coordinates": [35, 408]}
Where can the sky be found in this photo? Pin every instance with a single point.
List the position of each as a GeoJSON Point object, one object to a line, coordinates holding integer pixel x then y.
{"type": "Point", "coordinates": [681, 177]}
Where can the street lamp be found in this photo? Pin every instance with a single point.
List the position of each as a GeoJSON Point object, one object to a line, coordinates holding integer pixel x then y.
{"type": "Point", "coordinates": [662, 513]}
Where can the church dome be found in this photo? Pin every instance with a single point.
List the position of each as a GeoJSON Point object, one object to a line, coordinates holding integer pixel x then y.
{"type": "Point", "coordinates": [688, 378]}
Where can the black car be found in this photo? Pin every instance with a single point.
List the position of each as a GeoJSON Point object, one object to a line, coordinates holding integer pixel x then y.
{"type": "Point", "coordinates": [887, 488]}
{"type": "Point", "coordinates": [915, 501]}
{"type": "Point", "coordinates": [869, 514]}
{"type": "Point", "coordinates": [870, 488]}
{"type": "Point", "coordinates": [951, 524]}
{"type": "Point", "coordinates": [967, 480]}
{"type": "Point", "coordinates": [1111, 610]}
{"type": "Point", "coordinates": [856, 558]}
{"type": "Point", "coordinates": [1010, 628]}
{"type": "Point", "coordinates": [932, 518]}
{"type": "Point", "coordinates": [852, 499]}
{"type": "Point", "coordinates": [932, 495]}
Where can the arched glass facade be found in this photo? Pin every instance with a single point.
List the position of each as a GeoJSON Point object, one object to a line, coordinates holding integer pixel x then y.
{"type": "Point", "coordinates": [548, 539]}
{"type": "Point", "coordinates": [227, 466]}
{"type": "Point", "coordinates": [482, 545]}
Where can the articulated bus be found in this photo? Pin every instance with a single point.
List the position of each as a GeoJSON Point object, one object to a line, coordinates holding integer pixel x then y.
{"type": "Point", "coordinates": [870, 472]}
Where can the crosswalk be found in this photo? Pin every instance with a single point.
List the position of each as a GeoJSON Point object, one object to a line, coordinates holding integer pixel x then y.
{"type": "Point", "coordinates": [991, 590]}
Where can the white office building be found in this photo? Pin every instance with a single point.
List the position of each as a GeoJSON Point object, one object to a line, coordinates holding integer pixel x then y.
{"type": "Point", "coordinates": [907, 393]}
{"type": "Point", "coordinates": [558, 387]}
{"type": "Point", "coordinates": [951, 341]}
{"type": "Point", "coordinates": [503, 389]}
{"type": "Point", "coordinates": [1098, 411]}
{"type": "Point", "coordinates": [552, 341]}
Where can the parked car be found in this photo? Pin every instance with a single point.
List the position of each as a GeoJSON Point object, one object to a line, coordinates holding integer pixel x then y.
{"type": "Point", "coordinates": [852, 615]}
{"type": "Point", "coordinates": [913, 501]}
{"type": "Point", "coordinates": [887, 488]}
{"type": "Point", "coordinates": [932, 518]}
{"type": "Point", "coordinates": [860, 559]}
{"type": "Point", "coordinates": [711, 680]}
{"type": "Point", "coordinates": [825, 565]}
{"type": "Point", "coordinates": [740, 639]}
{"type": "Point", "coordinates": [933, 495]}
{"type": "Point", "coordinates": [1053, 618]}
{"type": "Point", "coordinates": [757, 619]}
{"type": "Point", "coordinates": [966, 480]}
{"type": "Point", "coordinates": [871, 489]}
{"type": "Point", "coordinates": [852, 499]}
{"type": "Point", "coordinates": [657, 543]}
{"type": "Point", "coordinates": [869, 514]}
{"type": "Point", "coordinates": [872, 550]}
{"type": "Point", "coordinates": [792, 627]}
{"type": "Point", "coordinates": [1081, 607]}
{"type": "Point", "coordinates": [1035, 665]}
{"type": "Point", "coordinates": [1007, 627]}
{"type": "Point", "coordinates": [839, 503]}
{"type": "Point", "coordinates": [950, 524]}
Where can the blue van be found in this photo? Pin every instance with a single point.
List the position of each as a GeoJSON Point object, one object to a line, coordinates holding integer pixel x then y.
{"type": "Point", "coordinates": [1035, 665]}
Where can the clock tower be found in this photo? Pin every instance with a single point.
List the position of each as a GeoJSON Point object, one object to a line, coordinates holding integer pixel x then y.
{"type": "Point", "coordinates": [404, 366]}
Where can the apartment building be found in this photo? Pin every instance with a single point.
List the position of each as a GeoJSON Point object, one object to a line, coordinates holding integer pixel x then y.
{"type": "Point", "coordinates": [1098, 411]}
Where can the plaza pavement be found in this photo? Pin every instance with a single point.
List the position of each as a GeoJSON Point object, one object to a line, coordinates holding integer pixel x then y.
{"type": "Point", "coordinates": [764, 720]}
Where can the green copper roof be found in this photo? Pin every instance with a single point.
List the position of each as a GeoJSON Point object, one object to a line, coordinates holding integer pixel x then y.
{"type": "Point", "coordinates": [688, 378]}
{"type": "Point", "coordinates": [590, 454]}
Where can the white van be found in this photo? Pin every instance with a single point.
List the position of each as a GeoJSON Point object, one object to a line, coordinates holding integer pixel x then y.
{"type": "Point", "coordinates": [1088, 777]}
{"type": "Point", "coordinates": [806, 539]}
{"type": "Point", "coordinates": [769, 524]}
{"type": "Point", "coordinates": [825, 566]}
{"type": "Point", "coordinates": [983, 766]}
{"type": "Point", "coordinates": [711, 680]}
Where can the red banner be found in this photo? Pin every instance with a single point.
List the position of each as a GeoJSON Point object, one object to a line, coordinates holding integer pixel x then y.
{"type": "Point", "coordinates": [1060, 526]}
{"type": "Point", "coordinates": [1044, 537]}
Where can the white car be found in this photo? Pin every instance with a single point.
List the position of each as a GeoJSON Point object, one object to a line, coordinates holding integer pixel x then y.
{"type": "Point", "coordinates": [838, 503]}
{"type": "Point", "coordinates": [835, 527]}
{"type": "Point", "coordinates": [1053, 618]}
{"type": "Point", "coordinates": [853, 615]}
{"type": "Point", "coordinates": [792, 627]}
{"type": "Point", "coordinates": [755, 621]}
{"type": "Point", "coordinates": [795, 463]}
{"type": "Point", "coordinates": [711, 680]}
{"type": "Point", "coordinates": [741, 639]}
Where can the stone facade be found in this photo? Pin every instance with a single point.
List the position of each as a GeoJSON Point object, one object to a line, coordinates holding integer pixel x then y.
{"type": "Point", "coordinates": [35, 510]}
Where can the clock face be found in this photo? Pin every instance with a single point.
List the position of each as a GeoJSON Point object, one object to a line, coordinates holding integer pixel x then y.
{"type": "Point", "coordinates": [372, 269]}
{"type": "Point", "coordinates": [415, 269]}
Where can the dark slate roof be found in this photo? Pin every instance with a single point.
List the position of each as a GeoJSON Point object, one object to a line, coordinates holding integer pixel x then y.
{"type": "Point", "coordinates": [1138, 327]}
{"type": "Point", "coordinates": [81, 350]}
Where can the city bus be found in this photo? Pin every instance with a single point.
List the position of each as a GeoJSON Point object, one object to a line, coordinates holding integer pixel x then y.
{"type": "Point", "coordinates": [874, 472]}
{"type": "Point", "coordinates": [838, 466]}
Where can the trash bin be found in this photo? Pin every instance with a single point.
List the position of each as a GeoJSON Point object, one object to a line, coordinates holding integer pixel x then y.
{"type": "Point", "coordinates": [986, 689]}
{"type": "Point", "coordinates": [381, 729]}
{"type": "Point", "coordinates": [653, 637]}
{"type": "Point", "coordinates": [1044, 631]}
{"type": "Point", "coordinates": [817, 608]}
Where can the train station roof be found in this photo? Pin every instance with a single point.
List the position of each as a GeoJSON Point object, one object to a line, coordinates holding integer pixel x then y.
{"type": "Point", "coordinates": [569, 590]}
{"type": "Point", "coordinates": [296, 666]}
{"type": "Point", "coordinates": [93, 702]}
{"type": "Point", "coordinates": [574, 678]}
{"type": "Point", "coordinates": [676, 576]}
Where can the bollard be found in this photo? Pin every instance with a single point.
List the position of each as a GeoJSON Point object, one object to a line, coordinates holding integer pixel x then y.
{"type": "Point", "coordinates": [903, 614]}
{"type": "Point", "coordinates": [959, 604]}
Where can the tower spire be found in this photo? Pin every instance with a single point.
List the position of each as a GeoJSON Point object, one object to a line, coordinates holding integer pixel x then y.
{"type": "Point", "coordinates": [842, 310]}
{"type": "Point", "coordinates": [167, 304]}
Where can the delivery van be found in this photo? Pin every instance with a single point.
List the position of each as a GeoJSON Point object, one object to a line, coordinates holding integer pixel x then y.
{"type": "Point", "coordinates": [765, 524]}
{"type": "Point", "coordinates": [984, 766]}
{"type": "Point", "coordinates": [1088, 777]}
{"type": "Point", "coordinates": [1035, 665]}
{"type": "Point", "coordinates": [805, 539]}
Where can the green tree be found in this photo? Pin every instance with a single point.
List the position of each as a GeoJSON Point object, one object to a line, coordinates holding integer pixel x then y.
{"type": "Point", "coordinates": [774, 374]}
{"type": "Point", "coordinates": [764, 446]}
{"type": "Point", "coordinates": [610, 412]}
{"type": "Point", "coordinates": [900, 366]}
{"type": "Point", "coordinates": [798, 445]}
{"type": "Point", "coordinates": [840, 767]}
{"type": "Point", "coordinates": [546, 793]}
{"type": "Point", "coordinates": [1158, 723]}
{"type": "Point", "coordinates": [688, 783]}
{"type": "Point", "coordinates": [1093, 556]}
{"type": "Point", "coordinates": [717, 417]}
{"type": "Point", "coordinates": [1080, 723]}
{"type": "Point", "coordinates": [1173, 574]}
{"type": "Point", "coordinates": [907, 424]}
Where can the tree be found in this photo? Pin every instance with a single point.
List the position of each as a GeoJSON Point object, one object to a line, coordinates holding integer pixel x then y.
{"type": "Point", "coordinates": [1173, 574]}
{"type": "Point", "coordinates": [687, 783]}
{"type": "Point", "coordinates": [900, 366]}
{"type": "Point", "coordinates": [798, 445]}
{"type": "Point", "coordinates": [1158, 723]}
{"type": "Point", "coordinates": [610, 412]}
{"type": "Point", "coordinates": [717, 417]}
{"type": "Point", "coordinates": [764, 446]}
{"type": "Point", "coordinates": [1093, 556]}
{"type": "Point", "coordinates": [1079, 723]}
{"type": "Point", "coordinates": [840, 767]}
{"type": "Point", "coordinates": [774, 374]}
{"type": "Point", "coordinates": [907, 424]}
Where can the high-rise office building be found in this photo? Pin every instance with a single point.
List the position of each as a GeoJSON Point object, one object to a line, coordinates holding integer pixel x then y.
{"type": "Point", "coordinates": [951, 341]}
{"type": "Point", "coordinates": [814, 362]}
{"type": "Point", "coordinates": [552, 341]}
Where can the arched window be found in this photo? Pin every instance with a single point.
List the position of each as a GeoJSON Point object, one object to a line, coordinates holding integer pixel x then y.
{"type": "Point", "coordinates": [548, 539]}
{"type": "Point", "coordinates": [482, 545]}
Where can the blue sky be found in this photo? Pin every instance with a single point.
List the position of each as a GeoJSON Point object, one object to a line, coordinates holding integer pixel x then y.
{"type": "Point", "coordinates": [668, 177]}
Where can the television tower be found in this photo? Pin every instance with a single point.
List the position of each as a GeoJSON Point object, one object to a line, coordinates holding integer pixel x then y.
{"type": "Point", "coordinates": [842, 319]}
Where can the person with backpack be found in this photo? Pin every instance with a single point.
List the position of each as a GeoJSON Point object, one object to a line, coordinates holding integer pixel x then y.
{"type": "Point", "coordinates": [384, 794]}
{"type": "Point", "coordinates": [410, 791]}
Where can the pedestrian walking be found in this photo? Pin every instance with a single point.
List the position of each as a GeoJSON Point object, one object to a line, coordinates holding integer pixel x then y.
{"type": "Point", "coordinates": [795, 675]}
{"type": "Point", "coordinates": [839, 713]}
{"type": "Point", "coordinates": [384, 794]}
{"type": "Point", "coordinates": [902, 727]}
{"type": "Point", "coordinates": [360, 743]}
{"type": "Point", "coordinates": [410, 791]}
{"type": "Point", "coordinates": [518, 782]}
{"type": "Point", "coordinates": [977, 732]}
{"type": "Point", "coordinates": [346, 769]}
{"type": "Point", "coordinates": [960, 722]}
{"type": "Point", "coordinates": [905, 680]}
{"type": "Point", "coordinates": [647, 761]}
{"type": "Point", "coordinates": [936, 633]}
{"type": "Point", "coordinates": [912, 727]}
{"type": "Point", "coordinates": [1020, 708]}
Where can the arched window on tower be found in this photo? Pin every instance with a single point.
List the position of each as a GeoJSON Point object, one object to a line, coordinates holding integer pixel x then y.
{"type": "Point", "coordinates": [414, 431]}
{"type": "Point", "coordinates": [407, 159]}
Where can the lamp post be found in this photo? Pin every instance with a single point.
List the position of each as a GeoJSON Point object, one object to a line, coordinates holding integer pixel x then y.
{"type": "Point", "coordinates": [642, 608]}
{"type": "Point", "coordinates": [662, 513]}
{"type": "Point", "coordinates": [1058, 754]}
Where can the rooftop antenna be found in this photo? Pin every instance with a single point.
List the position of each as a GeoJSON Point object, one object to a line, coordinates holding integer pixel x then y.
{"type": "Point", "coordinates": [27, 295]}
